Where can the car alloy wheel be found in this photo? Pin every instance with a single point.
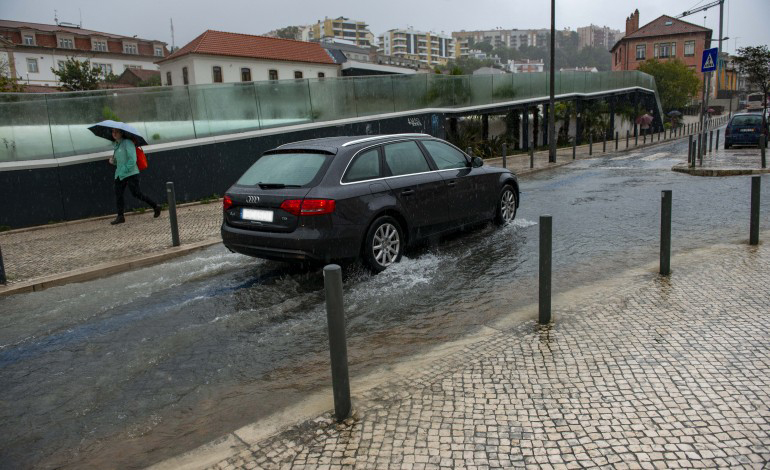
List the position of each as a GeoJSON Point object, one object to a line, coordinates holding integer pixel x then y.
{"type": "Point", "coordinates": [384, 243]}
{"type": "Point", "coordinates": [506, 208]}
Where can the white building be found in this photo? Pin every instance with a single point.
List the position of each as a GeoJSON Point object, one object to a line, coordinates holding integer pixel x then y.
{"type": "Point", "coordinates": [525, 66]}
{"type": "Point", "coordinates": [219, 57]}
{"type": "Point", "coordinates": [426, 47]}
{"type": "Point", "coordinates": [37, 48]}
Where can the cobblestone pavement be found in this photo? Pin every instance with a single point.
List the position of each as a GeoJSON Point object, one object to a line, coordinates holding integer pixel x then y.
{"type": "Point", "coordinates": [669, 373]}
{"type": "Point", "coordinates": [47, 250]}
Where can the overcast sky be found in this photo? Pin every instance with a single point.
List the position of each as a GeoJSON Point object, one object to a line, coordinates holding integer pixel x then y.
{"type": "Point", "coordinates": [746, 20]}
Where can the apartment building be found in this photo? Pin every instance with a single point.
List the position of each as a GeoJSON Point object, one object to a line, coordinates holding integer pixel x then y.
{"type": "Point", "coordinates": [356, 31]}
{"type": "Point", "coordinates": [37, 48]}
{"type": "Point", "coordinates": [426, 47]}
{"type": "Point", "coordinates": [598, 36]}
{"type": "Point", "coordinates": [664, 38]}
{"type": "Point", "coordinates": [514, 38]}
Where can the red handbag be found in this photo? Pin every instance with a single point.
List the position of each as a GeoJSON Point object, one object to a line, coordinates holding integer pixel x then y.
{"type": "Point", "coordinates": [141, 159]}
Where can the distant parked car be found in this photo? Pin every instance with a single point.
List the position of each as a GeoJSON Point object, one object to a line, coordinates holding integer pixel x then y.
{"type": "Point", "coordinates": [745, 129]}
{"type": "Point", "coordinates": [361, 197]}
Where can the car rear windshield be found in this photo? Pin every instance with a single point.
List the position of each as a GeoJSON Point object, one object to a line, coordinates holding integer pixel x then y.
{"type": "Point", "coordinates": [747, 120]}
{"type": "Point", "coordinates": [289, 169]}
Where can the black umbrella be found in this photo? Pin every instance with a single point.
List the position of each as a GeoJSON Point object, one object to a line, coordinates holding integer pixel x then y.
{"type": "Point", "coordinates": [674, 113]}
{"type": "Point", "coordinates": [104, 130]}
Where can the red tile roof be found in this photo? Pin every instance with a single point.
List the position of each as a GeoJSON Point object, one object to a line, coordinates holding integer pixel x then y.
{"type": "Point", "coordinates": [659, 27]}
{"type": "Point", "coordinates": [51, 28]}
{"type": "Point", "coordinates": [257, 47]}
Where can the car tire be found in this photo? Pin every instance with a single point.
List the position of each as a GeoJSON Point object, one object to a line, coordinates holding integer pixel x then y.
{"type": "Point", "coordinates": [506, 206]}
{"type": "Point", "coordinates": [384, 244]}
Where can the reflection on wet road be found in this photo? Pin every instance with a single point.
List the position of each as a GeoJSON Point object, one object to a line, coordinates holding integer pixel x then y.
{"type": "Point", "coordinates": [126, 371]}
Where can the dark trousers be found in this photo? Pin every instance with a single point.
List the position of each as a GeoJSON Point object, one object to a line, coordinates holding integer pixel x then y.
{"type": "Point", "coordinates": [133, 185]}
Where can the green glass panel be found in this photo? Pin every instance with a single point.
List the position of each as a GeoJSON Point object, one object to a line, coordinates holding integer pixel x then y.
{"type": "Point", "coordinates": [284, 102]}
{"type": "Point", "coordinates": [448, 91]}
{"type": "Point", "coordinates": [538, 84]}
{"type": "Point", "coordinates": [224, 108]}
{"type": "Point", "coordinates": [502, 87]}
{"type": "Point", "coordinates": [481, 89]}
{"type": "Point", "coordinates": [332, 99]}
{"type": "Point", "coordinates": [409, 91]}
{"type": "Point", "coordinates": [24, 131]}
{"type": "Point", "coordinates": [374, 95]}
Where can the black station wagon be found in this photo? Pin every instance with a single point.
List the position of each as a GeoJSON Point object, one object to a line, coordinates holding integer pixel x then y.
{"type": "Point", "coordinates": [339, 198]}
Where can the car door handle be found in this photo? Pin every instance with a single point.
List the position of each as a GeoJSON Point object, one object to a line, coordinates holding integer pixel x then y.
{"type": "Point", "coordinates": [407, 192]}
{"type": "Point", "coordinates": [452, 183]}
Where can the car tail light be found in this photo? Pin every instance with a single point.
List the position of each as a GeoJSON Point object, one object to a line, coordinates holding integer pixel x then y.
{"type": "Point", "coordinates": [300, 207]}
{"type": "Point", "coordinates": [227, 203]}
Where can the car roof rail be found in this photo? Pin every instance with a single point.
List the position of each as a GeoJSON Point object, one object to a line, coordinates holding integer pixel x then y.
{"type": "Point", "coordinates": [378, 137]}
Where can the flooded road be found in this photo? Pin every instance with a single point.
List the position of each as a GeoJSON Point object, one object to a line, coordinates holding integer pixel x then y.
{"type": "Point", "coordinates": [126, 371]}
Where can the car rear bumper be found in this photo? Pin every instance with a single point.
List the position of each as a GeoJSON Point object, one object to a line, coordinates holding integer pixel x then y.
{"type": "Point", "coordinates": [309, 244]}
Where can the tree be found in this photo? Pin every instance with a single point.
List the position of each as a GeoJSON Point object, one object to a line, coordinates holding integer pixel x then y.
{"type": "Point", "coordinates": [289, 32]}
{"type": "Point", "coordinates": [76, 75]}
{"type": "Point", "coordinates": [754, 61]}
{"type": "Point", "coordinates": [8, 83]}
{"type": "Point", "coordinates": [677, 83]}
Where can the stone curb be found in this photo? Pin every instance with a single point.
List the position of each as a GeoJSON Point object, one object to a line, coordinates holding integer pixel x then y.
{"type": "Point", "coordinates": [105, 269]}
{"type": "Point", "coordinates": [699, 171]}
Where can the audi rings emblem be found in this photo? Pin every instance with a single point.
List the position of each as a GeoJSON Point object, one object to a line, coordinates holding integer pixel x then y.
{"type": "Point", "coordinates": [252, 199]}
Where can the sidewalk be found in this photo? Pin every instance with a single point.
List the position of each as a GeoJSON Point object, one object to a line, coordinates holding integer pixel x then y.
{"type": "Point", "coordinates": [653, 373]}
{"type": "Point", "coordinates": [40, 257]}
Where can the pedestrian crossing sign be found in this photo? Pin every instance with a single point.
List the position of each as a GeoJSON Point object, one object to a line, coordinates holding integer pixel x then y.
{"type": "Point", "coordinates": [709, 63]}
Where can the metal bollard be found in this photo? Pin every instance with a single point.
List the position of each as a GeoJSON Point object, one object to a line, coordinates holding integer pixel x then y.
{"type": "Point", "coordinates": [762, 144]}
{"type": "Point", "coordinates": [574, 146]}
{"type": "Point", "coordinates": [716, 144]}
{"type": "Point", "coordinates": [693, 151]}
{"type": "Point", "coordinates": [172, 213]}
{"type": "Point", "coordinates": [711, 140]}
{"type": "Point", "coordinates": [636, 139]}
{"type": "Point", "coordinates": [532, 154]}
{"type": "Point", "coordinates": [338, 348]}
{"type": "Point", "coordinates": [628, 133]}
{"type": "Point", "coordinates": [604, 143]}
{"type": "Point", "coordinates": [468, 151]}
{"type": "Point", "coordinates": [616, 140]}
{"type": "Point", "coordinates": [3, 279]}
{"type": "Point", "coordinates": [756, 182]}
{"type": "Point", "coordinates": [689, 149]}
{"type": "Point", "coordinates": [590, 144]}
{"type": "Point", "coordinates": [505, 161]}
{"type": "Point", "coordinates": [546, 225]}
{"type": "Point", "coordinates": [665, 233]}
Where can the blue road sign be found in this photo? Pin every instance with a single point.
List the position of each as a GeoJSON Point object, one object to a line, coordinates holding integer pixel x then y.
{"type": "Point", "coordinates": [709, 63]}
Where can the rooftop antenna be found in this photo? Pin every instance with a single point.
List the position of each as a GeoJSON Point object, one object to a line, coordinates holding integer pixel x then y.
{"type": "Point", "coordinates": [80, 13]}
{"type": "Point", "coordinates": [56, 18]}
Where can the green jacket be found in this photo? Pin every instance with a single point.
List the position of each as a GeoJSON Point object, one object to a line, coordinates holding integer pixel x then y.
{"type": "Point", "coordinates": [125, 159]}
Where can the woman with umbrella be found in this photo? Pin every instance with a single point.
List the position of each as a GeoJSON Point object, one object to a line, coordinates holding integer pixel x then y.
{"type": "Point", "coordinates": [125, 138]}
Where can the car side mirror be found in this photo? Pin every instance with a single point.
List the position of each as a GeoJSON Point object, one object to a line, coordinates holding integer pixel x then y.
{"type": "Point", "coordinates": [476, 162]}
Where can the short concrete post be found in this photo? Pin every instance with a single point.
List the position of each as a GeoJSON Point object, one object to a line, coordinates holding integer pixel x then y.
{"type": "Point", "coordinates": [532, 153]}
{"type": "Point", "coordinates": [338, 348]}
{"type": "Point", "coordinates": [3, 279]}
{"type": "Point", "coordinates": [665, 233]}
{"type": "Point", "coordinates": [716, 144]}
{"type": "Point", "coordinates": [636, 139]}
{"type": "Point", "coordinates": [604, 143]}
{"type": "Point", "coordinates": [762, 144]}
{"type": "Point", "coordinates": [756, 182]}
{"type": "Point", "coordinates": [172, 213]}
{"type": "Point", "coordinates": [546, 227]}
{"type": "Point", "coordinates": [574, 146]}
{"type": "Point", "coordinates": [590, 144]}
{"type": "Point", "coordinates": [505, 158]}
{"type": "Point", "coordinates": [711, 140]}
{"type": "Point", "coordinates": [689, 148]}
{"type": "Point", "coordinates": [616, 140]}
{"type": "Point", "coordinates": [693, 151]}
{"type": "Point", "coordinates": [628, 134]}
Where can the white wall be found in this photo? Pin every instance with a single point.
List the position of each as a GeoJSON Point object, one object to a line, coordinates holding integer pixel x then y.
{"type": "Point", "coordinates": [200, 69]}
{"type": "Point", "coordinates": [48, 59]}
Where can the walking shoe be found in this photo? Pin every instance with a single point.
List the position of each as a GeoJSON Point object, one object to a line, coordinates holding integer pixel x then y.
{"type": "Point", "coordinates": [118, 220]}
{"type": "Point", "coordinates": [157, 212]}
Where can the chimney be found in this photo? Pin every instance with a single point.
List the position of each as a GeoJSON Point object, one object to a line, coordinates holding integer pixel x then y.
{"type": "Point", "coordinates": [632, 22]}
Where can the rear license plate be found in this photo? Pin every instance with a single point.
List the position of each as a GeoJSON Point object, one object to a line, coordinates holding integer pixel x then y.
{"type": "Point", "coordinates": [257, 214]}
{"type": "Point", "coordinates": [747, 130]}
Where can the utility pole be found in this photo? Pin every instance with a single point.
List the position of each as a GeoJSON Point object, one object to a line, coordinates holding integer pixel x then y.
{"type": "Point", "coordinates": [719, 62]}
{"type": "Point", "coordinates": [551, 104]}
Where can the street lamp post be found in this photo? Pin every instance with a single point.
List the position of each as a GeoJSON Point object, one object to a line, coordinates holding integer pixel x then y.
{"type": "Point", "coordinates": [551, 104]}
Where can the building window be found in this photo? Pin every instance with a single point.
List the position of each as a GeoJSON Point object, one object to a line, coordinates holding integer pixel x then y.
{"type": "Point", "coordinates": [217, 70]}
{"type": "Point", "coordinates": [665, 50]}
{"type": "Point", "coordinates": [321, 75]}
{"type": "Point", "coordinates": [100, 46]}
{"type": "Point", "coordinates": [129, 66]}
{"type": "Point", "coordinates": [29, 40]}
{"type": "Point", "coordinates": [105, 68]}
{"type": "Point", "coordinates": [130, 49]}
{"type": "Point", "coordinates": [272, 74]}
{"type": "Point", "coordinates": [689, 48]}
{"type": "Point", "coordinates": [245, 74]}
{"type": "Point", "coordinates": [32, 65]}
{"type": "Point", "coordinates": [297, 74]}
{"type": "Point", "coordinates": [641, 51]}
{"type": "Point", "coordinates": [158, 52]}
{"type": "Point", "coordinates": [168, 78]}
{"type": "Point", "coordinates": [185, 78]}
{"type": "Point", "coordinates": [66, 43]}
